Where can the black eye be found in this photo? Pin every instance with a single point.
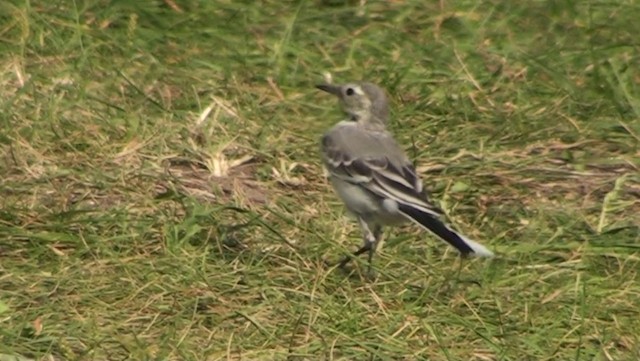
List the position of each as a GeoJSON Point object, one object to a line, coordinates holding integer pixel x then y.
{"type": "Point", "coordinates": [349, 91]}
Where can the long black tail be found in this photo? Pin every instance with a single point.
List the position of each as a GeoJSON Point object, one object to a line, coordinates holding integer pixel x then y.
{"type": "Point", "coordinates": [435, 226]}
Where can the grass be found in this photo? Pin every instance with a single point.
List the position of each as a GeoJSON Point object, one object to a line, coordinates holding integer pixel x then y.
{"type": "Point", "coordinates": [162, 196]}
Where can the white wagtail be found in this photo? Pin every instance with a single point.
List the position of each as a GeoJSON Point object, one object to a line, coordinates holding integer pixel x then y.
{"type": "Point", "coordinates": [373, 176]}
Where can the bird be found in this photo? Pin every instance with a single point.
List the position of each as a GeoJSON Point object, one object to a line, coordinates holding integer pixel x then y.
{"type": "Point", "coordinates": [373, 176]}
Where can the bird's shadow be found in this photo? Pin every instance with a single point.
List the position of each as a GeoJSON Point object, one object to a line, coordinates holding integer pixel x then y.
{"type": "Point", "coordinates": [352, 271]}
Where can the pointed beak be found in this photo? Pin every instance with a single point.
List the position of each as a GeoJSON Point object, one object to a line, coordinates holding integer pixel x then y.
{"type": "Point", "coordinates": [329, 88]}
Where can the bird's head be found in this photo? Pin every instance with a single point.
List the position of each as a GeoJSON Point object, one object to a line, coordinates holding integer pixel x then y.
{"type": "Point", "coordinates": [363, 102]}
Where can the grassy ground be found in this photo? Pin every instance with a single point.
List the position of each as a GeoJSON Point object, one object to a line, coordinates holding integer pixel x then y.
{"type": "Point", "coordinates": [162, 197]}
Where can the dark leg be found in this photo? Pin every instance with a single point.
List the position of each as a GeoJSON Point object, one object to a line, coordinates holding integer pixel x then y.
{"type": "Point", "coordinates": [369, 245]}
{"type": "Point", "coordinates": [365, 248]}
{"type": "Point", "coordinates": [377, 234]}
